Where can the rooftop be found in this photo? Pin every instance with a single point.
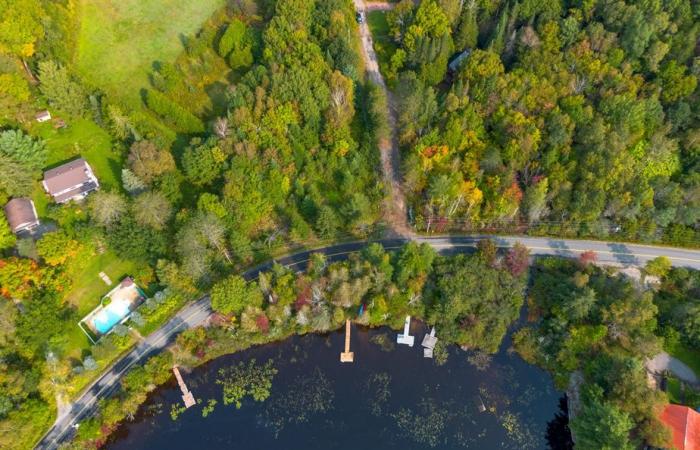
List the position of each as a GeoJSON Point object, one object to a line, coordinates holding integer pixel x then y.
{"type": "Point", "coordinates": [684, 423]}
{"type": "Point", "coordinates": [69, 180]}
{"type": "Point", "coordinates": [21, 214]}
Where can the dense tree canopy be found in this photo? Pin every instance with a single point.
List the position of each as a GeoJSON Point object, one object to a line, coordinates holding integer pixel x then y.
{"type": "Point", "coordinates": [576, 118]}
{"type": "Point", "coordinates": [602, 327]}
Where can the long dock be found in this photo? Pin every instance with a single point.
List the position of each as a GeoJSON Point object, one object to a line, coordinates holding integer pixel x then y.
{"type": "Point", "coordinates": [187, 396]}
{"type": "Point", "coordinates": [347, 355]}
{"type": "Point", "coordinates": [406, 338]}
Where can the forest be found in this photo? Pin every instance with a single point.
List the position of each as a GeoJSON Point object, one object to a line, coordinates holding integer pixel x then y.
{"type": "Point", "coordinates": [245, 145]}
{"type": "Point", "coordinates": [575, 118]}
{"type": "Point", "coordinates": [593, 329]}
{"type": "Point", "coordinates": [232, 143]}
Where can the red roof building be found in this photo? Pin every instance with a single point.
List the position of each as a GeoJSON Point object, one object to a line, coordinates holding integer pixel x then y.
{"type": "Point", "coordinates": [684, 423]}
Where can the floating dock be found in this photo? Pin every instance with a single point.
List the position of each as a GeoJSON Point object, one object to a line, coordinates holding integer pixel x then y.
{"type": "Point", "coordinates": [429, 341]}
{"type": "Point", "coordinates": [347, 355]}
{"type": "Point", "coordinates": [187, 396]}
{"type": "Point", "coordinates": [406, 338]}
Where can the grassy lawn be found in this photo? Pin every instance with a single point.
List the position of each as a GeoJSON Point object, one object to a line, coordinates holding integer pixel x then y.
{"type": "Point", "coordinates": [85, 138]}
{"type": "Point", "coordinates": [89, 288]}
{"type": "Point", "coordinates": [120, 40]}
{"type": "Point", "coordinates": [384, 46]}
{"type": "Point", "coordinates": [80, 138]}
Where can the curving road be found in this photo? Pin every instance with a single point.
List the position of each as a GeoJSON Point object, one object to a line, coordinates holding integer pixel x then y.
{"type": "Point", "coordinates": [197, 313]}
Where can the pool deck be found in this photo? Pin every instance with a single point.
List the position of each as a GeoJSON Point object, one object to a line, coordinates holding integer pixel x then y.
{"type": "Point", "coordinates": [124, 299]}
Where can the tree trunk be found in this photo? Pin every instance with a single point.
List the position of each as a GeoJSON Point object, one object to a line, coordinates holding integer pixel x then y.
{"type": "Point", "coordinates": [31, 76]}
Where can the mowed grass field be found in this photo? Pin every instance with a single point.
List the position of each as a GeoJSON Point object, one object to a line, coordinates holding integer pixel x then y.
{"type": "Point", "coordinates": [120, 40]}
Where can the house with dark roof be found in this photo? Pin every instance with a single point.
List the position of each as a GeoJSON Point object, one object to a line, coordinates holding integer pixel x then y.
{"type": "Point", "coordinates": [455, 64]}
{"type": "Point", "coordinates": [21, 215]}
{"type": "Point", "coordinates": [71, 181]}
{"type": "Point", "coordinates": [684, 423]}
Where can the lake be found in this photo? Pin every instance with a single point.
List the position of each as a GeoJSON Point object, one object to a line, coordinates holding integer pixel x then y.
{"type": "Point", "coordinates": [391, 397]}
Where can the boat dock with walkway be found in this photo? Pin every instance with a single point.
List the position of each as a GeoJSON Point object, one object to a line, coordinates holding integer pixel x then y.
{"type": "Point", "coordinates": [187, 396]}
{"type": "Point", "coordinates": [347, 355]}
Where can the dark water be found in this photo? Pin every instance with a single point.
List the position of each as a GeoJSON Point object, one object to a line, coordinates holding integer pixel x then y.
{"type": "Point", "coordinates": [384, 400]}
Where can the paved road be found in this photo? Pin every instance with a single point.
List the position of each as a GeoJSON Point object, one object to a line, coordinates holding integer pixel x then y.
{"type": "Point", "coordinates": [198, 313]}
{"type": "Point", "coordinates": [663, 361]}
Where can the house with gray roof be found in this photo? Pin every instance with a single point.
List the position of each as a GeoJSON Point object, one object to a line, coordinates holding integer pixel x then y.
{"type": "Point", "coordinates": [21, 215]}
{"type": "Point", "coordinates": [70, 181]}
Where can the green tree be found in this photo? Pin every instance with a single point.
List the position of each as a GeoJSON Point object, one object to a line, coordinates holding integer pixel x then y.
{"type": "Point", "coordinates": [659, 266]}
{"type": "Point", "coordinates": [182, 119]}
{"type": "Point", "coordinates": [16, 180]}
{"type": "Point", "coordinates": [231, 295]}
{"type": "Point", "coordinates": [202, 162]}
{"type": "Point", "coordinates": [47, 311]}
{"type": "Point", "coordinates": [468, 30]}
{"type": "Point", "coordinates": [131, 240]}
{"type": "Point", "coordinates": [61, 91]}
{"type": "Point", "coordinates": [28, 152]}
{"type": "Point", "coordinates": [599, 425]}
{"type": "Point", "coordinates": [147, 161]}
{"type": "Point", "coordinates": [535, 200]}
{"type": "Point", "coordinates": [235, 45]}
{"type": "Point", "coordinates": [57, 248]}
{"type": "Point", "coordinates": [7, 238]}
{"type": "Point", "coordinates": [106, 208]}
{"type": "Point", "coordinates": [131, 183]}
{"type": "Point", "coordinates": [152, 209]}
{"type": "Point", "coordinates": [675, 83]}
{"type": "Point", "coordinates": [18, 276]}
{"type": "Point", "coordinates": [413, 261]}
{"type": "Point", "coordinates": [20, 27]}
{"type": "Point", "coordinates": [14, 86]}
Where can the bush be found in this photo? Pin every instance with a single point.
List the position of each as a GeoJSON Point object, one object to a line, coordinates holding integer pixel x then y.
{"type": "Point", "coordinates": [182, 119]}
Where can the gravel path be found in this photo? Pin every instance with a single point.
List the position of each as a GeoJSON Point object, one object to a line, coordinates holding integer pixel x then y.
{"type": "Point", "coordinates": [395, 206]}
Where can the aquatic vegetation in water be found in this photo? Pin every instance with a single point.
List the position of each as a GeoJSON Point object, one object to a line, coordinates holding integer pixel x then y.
{"type": "Point", "coordinates": [378, 392]}
{"type": "Point", "coordinates": [175, 410]}
{"type": "Point", "coordinates": [521, 435]}
{"type": "Point", "coordinates": [426, 425]}
{"type": "Point", "coordinates": [384, 342]}
{"type": "Point", "coordinates": [307, 396]}
{"type": "Point", "coordinates": [480, 360]}
{"type": "Point", "coordinates": [211, 404]}
{"type": "Point", "coordinates": [246, 379]}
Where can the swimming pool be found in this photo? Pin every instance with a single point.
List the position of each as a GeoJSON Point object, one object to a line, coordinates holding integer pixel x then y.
{"type": "Point", "coordinates": [111, 315]}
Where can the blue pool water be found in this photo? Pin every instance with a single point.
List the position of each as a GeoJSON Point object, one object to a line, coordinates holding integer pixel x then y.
{"type": "Point", "coordinates": [111, 315]}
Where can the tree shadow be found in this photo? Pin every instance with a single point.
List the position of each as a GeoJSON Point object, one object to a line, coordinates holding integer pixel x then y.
{"type": "Point", "coordinates": [560, 248]}
{"type": "Point", "coordinates": [216, 92]}
{"type": "Point", "coordinates": [558, 433]}
{"type": "Point", "coordinates": [623, 254]}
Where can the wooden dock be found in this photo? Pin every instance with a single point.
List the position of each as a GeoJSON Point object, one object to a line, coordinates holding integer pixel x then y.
{"type": "Point", "coordinates": [187, 396]}
{"type": "Point", "coordinates": [347, 355]}
{"type": "Point", "coordinates": [429, 342]}
{"type": "Point", "coordinates": [405, 338]}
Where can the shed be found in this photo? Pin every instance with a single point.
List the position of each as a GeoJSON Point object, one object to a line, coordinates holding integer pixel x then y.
{"type": "Point", "coordinates": [21, 215]}
{"type": "Point", "coordinates": [458, 60]}
{"type": "Point", "coordinates": [43, 116]}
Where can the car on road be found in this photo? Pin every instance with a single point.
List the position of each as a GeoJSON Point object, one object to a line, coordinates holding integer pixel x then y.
{"type": "Point", "coordinates": [360, 17]}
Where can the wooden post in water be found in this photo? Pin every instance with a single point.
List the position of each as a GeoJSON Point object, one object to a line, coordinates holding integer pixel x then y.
{"type": "Point", "coordinates": [347, 355]}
